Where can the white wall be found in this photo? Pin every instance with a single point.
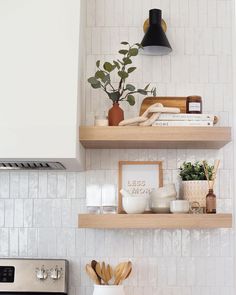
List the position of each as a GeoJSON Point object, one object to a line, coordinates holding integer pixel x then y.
{"type": "Point", "coordinates": [38, 210]}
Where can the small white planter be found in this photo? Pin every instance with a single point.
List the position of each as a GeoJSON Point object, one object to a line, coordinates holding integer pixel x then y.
{"type": "Point", "coordinates": [195, 191]}
{"type": "Point", "coordinates": [108, 290]}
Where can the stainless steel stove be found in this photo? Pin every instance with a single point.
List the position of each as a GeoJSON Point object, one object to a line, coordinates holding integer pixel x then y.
{"type": "Point", "coordinates": [33, 276]}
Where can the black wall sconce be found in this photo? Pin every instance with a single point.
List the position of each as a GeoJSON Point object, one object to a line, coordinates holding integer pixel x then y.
{"type": "Point", "coordinates": [155, 41]}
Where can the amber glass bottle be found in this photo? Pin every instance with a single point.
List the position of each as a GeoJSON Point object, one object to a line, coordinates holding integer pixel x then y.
{"type": "Point", "coordinates": [210, 202]}
{"type": "Point", "coordinates": [194, 105]}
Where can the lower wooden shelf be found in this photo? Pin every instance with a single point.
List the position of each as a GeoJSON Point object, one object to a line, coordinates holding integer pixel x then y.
{"type": "Point", "coordinates": [151, 221]}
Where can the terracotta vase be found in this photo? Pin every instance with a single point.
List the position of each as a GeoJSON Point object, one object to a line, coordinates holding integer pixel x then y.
{"type": "Point", "coordinates": [115, 115]}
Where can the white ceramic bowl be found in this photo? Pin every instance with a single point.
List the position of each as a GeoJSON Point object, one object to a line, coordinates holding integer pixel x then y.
{"type": "Point", "coordinates": [167, 191]}
{"type": "Point", "coordinates": [134, 205]}
{"type": "Point", "coordinates": [179, 206]}
{"type": "Point", "coordinates": [161, 205]}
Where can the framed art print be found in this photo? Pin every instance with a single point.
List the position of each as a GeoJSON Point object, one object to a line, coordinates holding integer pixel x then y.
{"type": "Point", "coordinates": [139, 178]}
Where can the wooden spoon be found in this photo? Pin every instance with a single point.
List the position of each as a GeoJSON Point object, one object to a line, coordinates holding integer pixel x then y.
{"type": "Point", "coordinates": [91, 273]}
{"type": "Point", "coordinates": [93, 265]}
{"type": "Point", "coordinates": [104, 272]}
{"type": "Point", "coordinates": [125, 273]}
{"type": "Point", "coordinates": [98, 270]}
{"type": "Point", "coordinates": [110, 272]}
{"type": "Point", "coordinates": [118, 272]}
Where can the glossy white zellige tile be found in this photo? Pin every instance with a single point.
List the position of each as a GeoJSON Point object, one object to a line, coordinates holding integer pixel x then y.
{"type": "Point", "coordinates": [24, 185]}
{"type": "Point", "coordinates": [9, 213]}
{"type": "Point", "coordinates": [46, 242]}
{"type": "Point", "coordinates": [14, 184]}
{"type": "Point", "coordinates": [71, 185]}
{"type": "Point", "coordinates": [32, 242]}
{"type": "Point", "coordinates": [28, 213]}
{"type": "Point", "coordinates": [23, 241]}
{"type": "Point", "coordinates": [4, 245]}
{"type": "Point", "coordinates": [2, 213]}
{"type": "Point", "coordinates": [61, 185]}
{"type": "Point", "coordinates": [19, 213]}
{"type": "Point", "coordinates": [4, 185]}
{"type": "Point", "coordinates": [33, 184]}
{"type": "Point", "coordinates": [91, 12]}
{"type": "Point", "coordinates": [13, 242]}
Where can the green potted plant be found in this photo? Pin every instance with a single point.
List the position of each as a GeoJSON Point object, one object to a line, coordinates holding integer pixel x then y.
{"type": "Point", "coordinates": [124, 91]}
{"type": "Point", "coordinates": [194, 181]}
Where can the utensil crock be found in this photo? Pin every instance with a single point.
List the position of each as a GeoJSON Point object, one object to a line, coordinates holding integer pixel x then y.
{"type": "Point", "coordinates": [108, 290]}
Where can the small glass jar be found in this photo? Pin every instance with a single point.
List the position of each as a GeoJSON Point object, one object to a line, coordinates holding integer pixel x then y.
{"type": "Point", "coordinates": [101, 120]}
{"type": "Point", "coordinates": [109, 205]}
{"type": "Point", "coordinates": [93, 199]}
{"type": "Point", "coordinates": [194, 105]}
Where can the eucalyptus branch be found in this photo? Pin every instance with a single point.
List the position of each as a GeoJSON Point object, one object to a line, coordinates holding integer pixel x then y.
{"type": "Point", "coordinates": [102, 77]}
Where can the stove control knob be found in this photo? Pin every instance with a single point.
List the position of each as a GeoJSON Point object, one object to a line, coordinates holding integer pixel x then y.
{"type": "Point", "coordinates": [41, 273]}
{"type": "Point", "coordinates": [55, 273]}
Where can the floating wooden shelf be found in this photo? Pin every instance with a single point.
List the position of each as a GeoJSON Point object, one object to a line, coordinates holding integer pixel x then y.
{"type": "Point", "coordinates": [133, 137]}
{"type": "Point", "coordinates": [165, 221]}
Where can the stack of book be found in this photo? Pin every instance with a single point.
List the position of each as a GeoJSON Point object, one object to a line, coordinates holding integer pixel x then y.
{"type": "Point", "coordinates": [204, 120]}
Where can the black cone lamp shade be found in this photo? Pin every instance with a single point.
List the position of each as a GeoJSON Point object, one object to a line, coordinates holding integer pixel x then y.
{"type": "Point", "coordinates": [155, 41]}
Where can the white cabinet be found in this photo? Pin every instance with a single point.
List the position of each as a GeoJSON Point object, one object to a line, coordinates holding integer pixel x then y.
{"type": "Point", "coordinates": [40, 72]}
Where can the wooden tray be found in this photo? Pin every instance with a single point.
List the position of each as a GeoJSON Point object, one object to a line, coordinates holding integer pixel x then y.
{"type": "Point", "coordinates": [167, 101]}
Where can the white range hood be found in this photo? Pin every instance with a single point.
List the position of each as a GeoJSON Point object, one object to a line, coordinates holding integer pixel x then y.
{"type": "Point", "coordinates": [40, 83]}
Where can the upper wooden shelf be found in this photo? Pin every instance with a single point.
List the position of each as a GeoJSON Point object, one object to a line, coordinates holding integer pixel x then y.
{"type": "Point", "coordinates": [133, 137]}
{"type": "Point", "coordinates": [152, 221]}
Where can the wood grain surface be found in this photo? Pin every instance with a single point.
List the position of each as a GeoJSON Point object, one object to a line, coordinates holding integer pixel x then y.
{"type": "Point", "coordinates": [173, 102]}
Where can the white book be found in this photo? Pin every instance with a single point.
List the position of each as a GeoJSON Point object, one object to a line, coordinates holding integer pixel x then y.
{"type": "Point", "coordinates": [186, 117]}
{"type": "Point", "coordinates": [183, 123]}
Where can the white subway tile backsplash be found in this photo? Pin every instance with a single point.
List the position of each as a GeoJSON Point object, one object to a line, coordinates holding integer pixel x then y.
{"type": "Point", "coordinates": [38, 210]}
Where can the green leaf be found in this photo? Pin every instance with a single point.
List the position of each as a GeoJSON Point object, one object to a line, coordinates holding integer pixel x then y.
{"type": "Point", "coordinates": [100, 75]}
{"type": "Point", "coordinates": [130, 87]}
{"type": "Point", "coordinates": [95, 86]}
{"type": "Point", "coordinates": [116, 64]}
{"type": "Point", "coordinates": [131, 99]}
{"type": "Point", "coordinates": [127, 61]}
{"type": "Point", "coordinates": [123, 74]}
{"type": "Point", "coordinates": [141, 91]}
{"type": "Point", "coordinates": [108, 67]}
{"type": "Point", "coordinates": [133, 52]}
{"type": "Point", "coordinates": [123, 51]}
{"type": "Point", "coordinates": [124, 43]}
{"type": "Point", "coordinates": [146, 87]}
{"type": "Point", "coordinates": [98, 63]}
{"type": "Point", "coordinates": [93, 80]}
{"type": "Point", "coordinates": [130, 70]}
{"type": "Point", "coordinates": [106, 79]}
{"type": "Point", "coordinates": [114, 96]}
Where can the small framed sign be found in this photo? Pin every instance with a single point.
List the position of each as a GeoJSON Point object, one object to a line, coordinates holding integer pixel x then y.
{"type": "Point", "coordinates": [139, 178]}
